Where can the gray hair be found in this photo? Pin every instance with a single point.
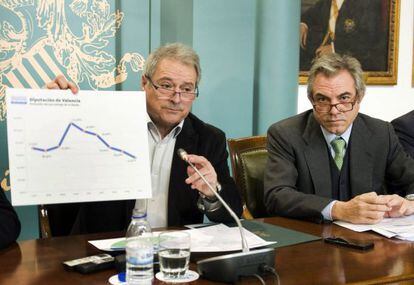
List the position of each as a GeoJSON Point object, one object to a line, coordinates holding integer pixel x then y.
{"type": "Point", "coordinates": [331, 64]}
{"type": "Point", "coordinates": [176, 51]}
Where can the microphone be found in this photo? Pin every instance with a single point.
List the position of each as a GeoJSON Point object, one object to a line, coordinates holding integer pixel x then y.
{"type": "Point", "coordinates": [229, 267]}
{"type": "Point", "coordinates": [184, 156]}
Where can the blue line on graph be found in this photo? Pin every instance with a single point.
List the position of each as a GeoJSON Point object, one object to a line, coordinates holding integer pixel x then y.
{"type": "Point", "coordinates": [64, 134]}
{"type": "Point", "coordinates": [127, 153]}
{"type": "Point", "coordinates": [90, 133]}
{"type": "Point", "coordinates": [102, 140]}
{"type": "Point", "coordinates": [86, 132]}
{"type": "Point", "coordinates": [52, 148]}
{"type": "Point", "coordinates": [76, 126]}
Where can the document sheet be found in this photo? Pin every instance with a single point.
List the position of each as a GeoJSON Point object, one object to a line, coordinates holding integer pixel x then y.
{"type": "Point", "coordinates": [217, 238]}
{"type": "Point", "coordinates": [64, 148]}
{"type": "Point", "coordinates": [401, 228]}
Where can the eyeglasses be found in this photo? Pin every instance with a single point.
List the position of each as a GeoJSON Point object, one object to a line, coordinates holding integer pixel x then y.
{"type": "Point", "coordinates": [341, 107]}
{"type": "Point", "coordinates": [167, 91]}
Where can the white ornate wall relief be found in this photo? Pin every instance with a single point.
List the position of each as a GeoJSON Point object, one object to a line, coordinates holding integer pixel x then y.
{"type": "Point", "coordinates": [38, 42]}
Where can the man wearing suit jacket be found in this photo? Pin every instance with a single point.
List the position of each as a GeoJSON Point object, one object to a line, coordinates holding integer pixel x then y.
{"type": "Point", "coordinates": [170, 79]}
{"type": "Point", "coordinates": [354, 27]}
{"type": "Point", "coordinates": [333, 163]}
{"type": "Point", "coordinates": [9, 222]}
{"type": "Point", "coordinates": [404, 128]}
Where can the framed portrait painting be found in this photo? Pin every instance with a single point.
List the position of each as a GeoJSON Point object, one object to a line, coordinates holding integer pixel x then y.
{"type": "Point", "coordinates": [365, 29]}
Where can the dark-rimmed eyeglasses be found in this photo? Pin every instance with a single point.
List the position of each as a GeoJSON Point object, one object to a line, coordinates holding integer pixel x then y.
{"type": "Point", "coordinates": [168, 91]}
{"type": "Point", "coordinates": [341, 107]}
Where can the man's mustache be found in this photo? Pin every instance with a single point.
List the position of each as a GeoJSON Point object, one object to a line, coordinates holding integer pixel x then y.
{"type": "Point", "coordinates": [174, 107]}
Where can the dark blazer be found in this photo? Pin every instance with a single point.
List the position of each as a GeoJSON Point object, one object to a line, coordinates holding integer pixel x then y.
{"type": "Point", "coordinates": [404, 128]}
{"type": "Point", "coordinates": [360, 31]}
{"type": "Point", "coordinates": [196, 137]}
{"type": "Point", "coordinates": [9, 222]}
{"type": "Point", "coordinates": [297, 178]}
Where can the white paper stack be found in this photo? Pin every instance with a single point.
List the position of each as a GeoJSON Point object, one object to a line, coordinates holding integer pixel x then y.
{"type": "Point", "coordinates": [401, 228]}
{"type": "Point", "coordinates": [217, 238]}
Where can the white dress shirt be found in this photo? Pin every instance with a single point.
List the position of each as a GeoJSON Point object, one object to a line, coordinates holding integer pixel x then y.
{"type": "Point", "coordinates": [161, 153]}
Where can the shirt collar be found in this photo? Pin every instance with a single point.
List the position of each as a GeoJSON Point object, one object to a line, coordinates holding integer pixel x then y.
{"type": "Point", "coordinates": [330, 136]}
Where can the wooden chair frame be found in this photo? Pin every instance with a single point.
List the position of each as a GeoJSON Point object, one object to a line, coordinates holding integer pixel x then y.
{"type": "Point", "coordinates": [236, 148]}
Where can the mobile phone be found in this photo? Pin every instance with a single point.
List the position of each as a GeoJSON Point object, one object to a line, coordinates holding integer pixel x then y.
{"type": "Point", "coordinates": [361, 245]}
{"type": "Point", "coordinates": [90, 263]}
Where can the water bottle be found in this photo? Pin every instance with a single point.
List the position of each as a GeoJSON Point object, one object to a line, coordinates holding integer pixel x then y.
{"type": "Point", "coordinates": [139, 248]}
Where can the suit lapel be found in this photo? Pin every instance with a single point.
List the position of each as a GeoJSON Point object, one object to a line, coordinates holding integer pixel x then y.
{"type": "Point", "coordinates": [361, 158]}
{"type": "Point", "coordinates": [187, 139]}
{"type": "Point", "coordinates": [317, 158]}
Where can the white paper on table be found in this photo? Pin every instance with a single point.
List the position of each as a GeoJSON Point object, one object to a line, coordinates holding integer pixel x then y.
{"type": "Point", "coordinates": [67, 148]}
{"type": "Point", "coordinates": [218, 238]}
{"type": "Point", "coordinates": [221, 238]}
{"type": "Point", "coordinates": [401, 228]}
{"type": "Point", "coordinates": [106, 244]}
{"type": "Point", "coordinates": [354, 227]}
{"type": "Point", "coordinates": [383, 232]}
{"type": "Point", "coordinates": [406, 235]}
{"type": "Point", "coordinates": [411, 238]}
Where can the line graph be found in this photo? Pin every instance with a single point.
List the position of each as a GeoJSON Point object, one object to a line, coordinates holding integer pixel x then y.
{"type": "Point", "coordinates": [99, 137]}
{"type": "Point", "coordinates": [61, 150]}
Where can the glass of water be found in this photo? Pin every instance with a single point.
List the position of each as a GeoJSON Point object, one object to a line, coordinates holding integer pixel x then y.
{"type": "Point", "coordinates": [174, 253]}
{"type": "Point", "coordinates": [139, 260]}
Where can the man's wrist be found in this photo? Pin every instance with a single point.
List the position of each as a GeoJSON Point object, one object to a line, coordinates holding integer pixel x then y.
{"type": "Point", "coordinates": [209, 204]}
{"type": "Point", "coordinates": [327, 211]}
{"type": "Point", "coordinates": [336, 213]}
{"type": "Point", "coordinates": [212, 198]}
{"type": "Point", "coordinates": [410, 208]}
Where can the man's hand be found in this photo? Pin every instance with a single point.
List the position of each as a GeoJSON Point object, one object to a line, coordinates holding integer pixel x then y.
{"type": "Point", "coordinates": [60, 82]}
{"type": "Point", "coordinates": [322, 50]}
{"type": "Point", "coordinates": [205, 168]}
{"type": "Point", "coordinates": [303, 35]}
{"type": "Point", "coordinates": [399, 206]}
{"type": "Point", "coordinates": [368, 208]}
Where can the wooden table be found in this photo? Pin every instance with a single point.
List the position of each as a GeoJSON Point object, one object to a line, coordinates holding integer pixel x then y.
{"type": "Point", "coordinates": [40, 261]}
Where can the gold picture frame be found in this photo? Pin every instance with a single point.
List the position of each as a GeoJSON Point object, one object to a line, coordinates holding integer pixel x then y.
{"type": "Point", "coordinates": [385, 75]}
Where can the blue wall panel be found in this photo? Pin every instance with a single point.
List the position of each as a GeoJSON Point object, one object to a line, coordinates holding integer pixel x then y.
{"type": "Point", "coordinates": [224, 38]}
{"type": "Point", "coordinates": [276, 61]}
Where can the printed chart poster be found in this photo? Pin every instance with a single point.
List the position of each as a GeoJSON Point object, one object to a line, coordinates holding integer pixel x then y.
{"type": "Point", "coordinates": [65, 148]}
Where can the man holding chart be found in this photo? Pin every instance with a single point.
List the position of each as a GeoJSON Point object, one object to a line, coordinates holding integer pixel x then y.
{"type": "Point", "coordinates": [170, 80]}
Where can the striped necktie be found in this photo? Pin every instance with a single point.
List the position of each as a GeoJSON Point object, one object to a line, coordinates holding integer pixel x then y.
{"type": "Point", "coordinates": [338, 145]}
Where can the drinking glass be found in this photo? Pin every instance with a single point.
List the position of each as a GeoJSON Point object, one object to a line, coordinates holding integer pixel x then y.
{"type": "Point", "coordinates": [174, 253]}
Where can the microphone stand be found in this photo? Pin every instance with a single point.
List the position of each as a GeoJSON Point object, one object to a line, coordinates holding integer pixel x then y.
{"type": "Point", "coordinates": [245, 246]}
{"type": "Point", "coordinates": [228, 268]}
